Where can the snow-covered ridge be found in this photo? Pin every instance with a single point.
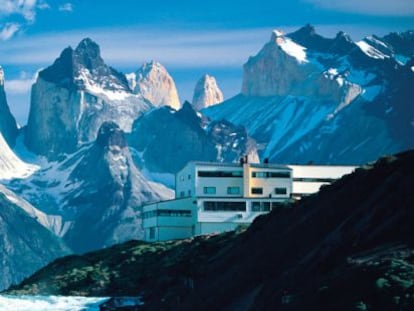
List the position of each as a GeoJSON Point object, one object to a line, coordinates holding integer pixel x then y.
{"type": "Point", "coordinates": [370, 50]}
{"type": "Point", "coordinates": [289, 47]}
{"type": "Point", "coordinates": [12, 166]}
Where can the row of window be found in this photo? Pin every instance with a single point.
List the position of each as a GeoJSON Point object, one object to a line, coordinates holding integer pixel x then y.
{"type": "Point", "coordinates": [278, 191]}
{"type": "Point", "coordinates": [257, 206]}
{"type": "Point", "coordinates": [167, 213]}
{"type": "Point", "coordinates": [309, 179]}
{"type": "Point", "coordinates": [236, 190]}
{"type": "Point", "coordinates": [233, 174]}
{"type": "Point", "coordinates": [230, 190]}
{"type": "Point", "coordinates": [282, 174]}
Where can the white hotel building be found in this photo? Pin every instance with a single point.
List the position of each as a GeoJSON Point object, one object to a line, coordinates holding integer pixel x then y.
{"type": "Point", "coordinates": [215, 197]}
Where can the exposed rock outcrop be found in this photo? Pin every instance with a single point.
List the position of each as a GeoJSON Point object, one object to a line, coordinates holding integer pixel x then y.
{"type": "Point", "coordinates": [73, 97]}
{"type": "Point", "coordinates": [8, 125]}
{"type": "Point", "coordinates": [178, 137]}
{"type": "Point", "coordinates": [206, 93]}
{"type": "Point", "coordinates": [26, 243]}
{"type": "Point", "coordinates": [156, 85]}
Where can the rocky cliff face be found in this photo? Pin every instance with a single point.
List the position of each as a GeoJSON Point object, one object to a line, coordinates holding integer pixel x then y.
{"type": "Point", "coordinates": [8, 126]}
{"type": "Point", "coordinates": [206, 93]}
{"type": "Point", "coordinates": [155, 84]}
{"type": "Point", "coordinates": [309, 98]}
{"type": "Point", "coordinates": [73, 97]}
{"type": "Point", "coordinates": [26, 243]}
{"type": "Point", "coordinates": [179, 137]}
{"type": "Point", "coordinates": [107, 207]}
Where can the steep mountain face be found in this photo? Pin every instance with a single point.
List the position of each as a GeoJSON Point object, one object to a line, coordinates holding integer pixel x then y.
{"type": "Point", "coordinates": [73, 97]}
{"type": "Point", "coordinates": [309, 98]}
{"type": "Point", "coordinates": [10, 165]}
{"type": "Point", "coordinates": [26, 240]}
{"type": "Point", "coordinates": [400, 43]}
{"type": "Point", "coordinates": [166, 140]}
{"type": "Point", "coordinates": [155, 84]}
{"type": "Point", "coordinates": [8, 125]}
{"type": "Point", "coordinates": [97, 191]}
{"type": "Point", "coordinates": [106, 207]}
{"type": "Point", "coordinates": [352, 243]}
{"type": "Point", "coordinates": [206, 93]}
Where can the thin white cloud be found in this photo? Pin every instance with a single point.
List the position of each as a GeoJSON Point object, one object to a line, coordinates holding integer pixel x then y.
{"type": "Point", "coordinates": [66, 7]}
{"type": "Point", "coordinates": [43, 5]}
{"type": "Point", "coordinates": [26, 8]}
{"type": "Point", "coordinates": [22, 85]}
{"type": "Point", "coordinates": [369, 7]}
{"type": "Point", "coordinates": [132, 46]}
{"type": "Point", "coordinates": [8, 31]}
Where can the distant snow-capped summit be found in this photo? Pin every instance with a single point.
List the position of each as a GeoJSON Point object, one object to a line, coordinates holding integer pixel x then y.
{"type": "Point", "coordinates": [155, 84]}
{"type": "Point", "coordinates": [328, 100]}
{"type": "Point", "coordinates": [206, 93]}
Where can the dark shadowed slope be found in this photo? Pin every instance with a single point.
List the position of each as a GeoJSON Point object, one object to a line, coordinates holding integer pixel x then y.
{"type": "Point", "coordinates": [349, 247]}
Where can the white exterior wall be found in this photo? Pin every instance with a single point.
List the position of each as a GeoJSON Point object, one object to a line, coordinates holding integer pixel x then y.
{"type": "Point", "coordinates": [219, 221]}
{"type": "Point", "coordinates": [220, 183]}
{"type": "Point", "coordinates": [269, 184]}
{"type": "Point", "coordinates": [316, 172]}
{"type": "Point", "coordinates": [169, 227]}
{"type": "Point", "coordinates": [185, 181]}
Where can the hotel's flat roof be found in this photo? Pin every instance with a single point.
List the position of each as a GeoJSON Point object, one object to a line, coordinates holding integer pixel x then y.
{"type": "Point", "coordinates": [256, 165]}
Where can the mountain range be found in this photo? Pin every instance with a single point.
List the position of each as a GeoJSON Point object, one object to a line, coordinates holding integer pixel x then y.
{"type": "Point", "coordinates": [306, 98]}
{"type": "Point", "coordinates": [99, 144]}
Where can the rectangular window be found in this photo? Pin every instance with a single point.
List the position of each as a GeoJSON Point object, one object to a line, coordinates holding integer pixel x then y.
{"type": "Point", "coordinates": [182, 193]}
{"type": "Point", "coordinates": [181, 178]}
{"type": "Point", "coordinates": [189, 176]}
{"type": "Point", "coordinates": [260, 206]}
{"type": "Point", "coordinates": [311, 179]}
{"type": "Point", "coordinates": [225, 206]}
{"type": "Point", "coordinates": [189, 193]}
{"type": "Point", "coordinates": [280, 191]}
{"type": "Point", "coordinates": [233, 190]}
{"type": "Point", "coordinates": [152, 233]}
{"type": "Point", "coordinates": [281, 174]}
{"type": "Point", "coordinates": [228, 174]}
{"type": "Point", "coordinates": [257, 190]}
{"type": "Point", "coordinates": [209, 190]}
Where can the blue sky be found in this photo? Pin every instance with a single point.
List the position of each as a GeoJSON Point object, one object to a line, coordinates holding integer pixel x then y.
{"type": "Point", "coordinates": [189, 37]}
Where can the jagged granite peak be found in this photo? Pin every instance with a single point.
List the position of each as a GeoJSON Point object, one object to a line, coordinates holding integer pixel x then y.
{"type": "Point", "coordinates": [106, 207]}
{"type": "Point", "coordinates": [303, 111]}
{"type": "Point", "coordinates": [73, 97]}
{"type": "Point", "coordinates": [284, 68]}
{"type": "Point", "coordinates": [26, 244]}
{"type": "Point", "coordinates": [401, 42]}
{"type": "Point", "coordinates": [8, 125]}
{"type": "Point", "coordinates": [206, 93]}
{"type": "Point", "coordinates": [178, 137]}
{"type": "Point", "coordinates": [156, 85]}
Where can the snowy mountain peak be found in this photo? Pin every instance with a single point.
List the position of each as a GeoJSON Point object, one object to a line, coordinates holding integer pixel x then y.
{"type": "Point", "coordinates": [155, 84]}
{"type": "Point", "coordinates": [276, 33]}
{"type": "Point", "coordinates": [206, 93]}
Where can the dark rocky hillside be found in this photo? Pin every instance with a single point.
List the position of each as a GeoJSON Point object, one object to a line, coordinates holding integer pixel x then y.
{"type": "Point", "coordinates": [350, 247]}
